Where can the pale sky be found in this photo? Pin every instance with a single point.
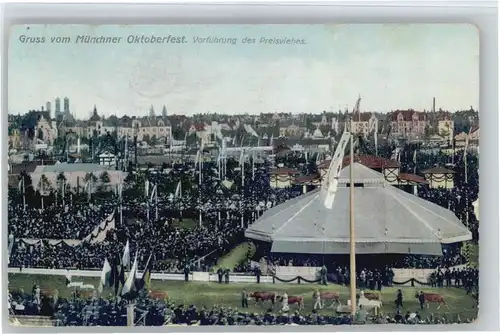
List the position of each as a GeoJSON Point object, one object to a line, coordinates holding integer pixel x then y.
{"type": "Point", "coordinates": [396, 66]}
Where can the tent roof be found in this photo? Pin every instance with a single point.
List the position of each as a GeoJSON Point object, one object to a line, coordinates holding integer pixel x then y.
{"type": "Point", "coordinates": [387, 220]}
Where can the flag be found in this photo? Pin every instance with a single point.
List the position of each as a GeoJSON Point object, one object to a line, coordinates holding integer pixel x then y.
{"type": "Point", "coordinates": [129, 285]}
{"type": "Point", "coordinates": [146, 188]}
{"type": "Point", "coordinates": [21, 179]}
{"type": "Point", "coordinates": [415, 156]}
{"type": "Point", "coordinates": [330, 181]}
{"type": "Point", "coordinates": [202, 145]}
{"type": "Point", "coordinates": [126, 255]}
{"type": "Point", "coordinates": [114, 272]}
{"type": "Point", "coordinates": [197, 159]}
{"type": "Point", "coordinates": [272, 139]}
{"type": "Point", "coordinates": [146, 276]}
{"type": "Point", "coordinates": [105, 275]}
{"type": "Point", "coordinates": [178, 190]}
{"type": "Point", "coordinates": [68, 278]}
{"type": "Point", "coordinates": [242, 158]}
{"type": "Point", "coordinates": [466, 147]}
{"type": "Point", "coordinates": [120, 279]}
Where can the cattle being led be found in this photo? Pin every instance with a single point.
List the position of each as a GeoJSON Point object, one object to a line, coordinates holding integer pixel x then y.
{"type": "Point", "coordinates": [431, 297]}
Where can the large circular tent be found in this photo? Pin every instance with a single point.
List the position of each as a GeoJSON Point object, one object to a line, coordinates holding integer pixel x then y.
{"type": "Point", "coordinates": [388, 220]}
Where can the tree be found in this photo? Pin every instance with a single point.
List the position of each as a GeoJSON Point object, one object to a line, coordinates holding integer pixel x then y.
{"type": "Point", "coordinates": [427, 132]}
{"type": "Point", "coordinates": [153, 140]}
{"type": "Point", "coordinates": [178, 133]}
{"type": "Point", "coordinates": [164, 112]}
{"type": "Point", "coordinates": [309, 124]}
{"type": "Point", "coordinates": [61, 181]}
{"type": "Point", "coordinates": [105, 177]}
{"type": "Point", "coordinates": [44, 185]}
{"type": "Point", "coordinates": [152, 112]}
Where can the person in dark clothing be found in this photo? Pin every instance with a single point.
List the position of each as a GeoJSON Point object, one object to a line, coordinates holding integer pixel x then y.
{"type": "Point", "coordinates": [398, 317]}
{"type": "Point", "coordinates": [378, 280]}
{"type": "Point", "coordinates": [421, 300]}
{"type": "Point", "coordinates": [323, 272]}
{"type": "Point", "coordinates": [186, 273]}
{"type": "Point", "coordinates": [220, 273]}
{"type": "Point", "coordinates": [399, 299]}
{"type": "Point", "coordinates": [447, 276]}
{"type": "Point", "coordinates": [226, 276]}
{"type": "Point", "coordinates": [244, 299]}
{"type": "Point", "coordinates": [257, 274]}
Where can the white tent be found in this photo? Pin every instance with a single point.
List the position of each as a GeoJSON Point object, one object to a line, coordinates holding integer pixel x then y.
{"type": "Point", "coordinates": [388, 221]}
{"type": "Point", "coordinates": [476, 208]}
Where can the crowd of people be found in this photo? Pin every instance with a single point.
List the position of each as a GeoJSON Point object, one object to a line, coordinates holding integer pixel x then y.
{"type": "Point", "coordinates": [56, 221]}
{"type": "Point", "coordinates": [221, 222]}
{"type": "Point", "coordinates": [80, 311]}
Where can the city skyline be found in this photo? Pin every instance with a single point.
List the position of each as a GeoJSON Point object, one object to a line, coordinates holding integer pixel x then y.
{"type": "Point", "coordinates": [392, 67]}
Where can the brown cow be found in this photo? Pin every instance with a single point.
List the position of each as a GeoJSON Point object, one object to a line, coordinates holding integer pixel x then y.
{"type": "Point", "coordinates": [46, 293]}
{"type": "Point", "coordinates": [261, 296]}
{"type": "Point", "coordinates": [294, 300]}
{"type": "Point", "coordinates": [431, 297]}
{"type": "Point", "coordinates": [333, 296]}
{"type": "Point", "coordinates": [158, 294]}
{"type": "Point", "coordinates": [372, 296]}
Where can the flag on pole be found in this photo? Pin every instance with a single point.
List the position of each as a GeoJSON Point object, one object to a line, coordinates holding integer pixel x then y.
{"type": "Point", "coordinates": [105, 275]}
{"type": "Point", "coordinates": [120, 279]}
{"type": "Point", "coordinates": [178, 190]}
{"type": "Point", "coordinates": [126, 255]}
{"type": "Point", "coordinates": [242, 158]}
{"type": "Point", "coordinates": [202, 145]}
{"type": "Point", "coordinates": [197, 159]}
{"type": "Point", "coordinates": [68, 278]}
{"type": "Point", "coordinates": [146, 188]}
{"type": "Point", "coordinates": [466, 147]}
{"type": "Point", "coordinates": [146, 275]}
{"type": "Point", "coordinates": [153, 193]}
{"type": "Point", "coordinates": [129, 285]}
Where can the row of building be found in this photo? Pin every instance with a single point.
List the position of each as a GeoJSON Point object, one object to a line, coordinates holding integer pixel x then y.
{"type": "Point", "coordinates": [42, 127]}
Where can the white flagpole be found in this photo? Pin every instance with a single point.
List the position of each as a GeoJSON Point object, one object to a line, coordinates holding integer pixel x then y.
{"type": "Point", "coordinates": [242, 189]}
{"type": "Point", "coordinates": [63, 193]}
{"type": "Point", "coordinates": [199, 184]}
{"type": "Point", "coordinates": [24, 195]}
{"type": "Point", "coordinates": [180, 194]}
{"type": "Point", "coordinates": [156, 200]}
{"type": "Point", "coordinates": [253, 166]}
{"type": "Point", "coordinates": [125, 154]}
{"type": "Point", "coordinates": [352, 241]}
{"type": "Point", "coordinates": [147, 197]}
{"type": "Point", "coordinates": [466, 177]}
{"type": "Point", "coordinates": [121, 199]}
{"type": "Point", "coordinates": [43, 191]}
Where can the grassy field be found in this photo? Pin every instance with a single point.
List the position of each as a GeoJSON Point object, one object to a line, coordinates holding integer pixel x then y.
{"type": "Point", "coordinates": [235, 256]}
{"type": "Point", "coordinates": [209, 294]}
